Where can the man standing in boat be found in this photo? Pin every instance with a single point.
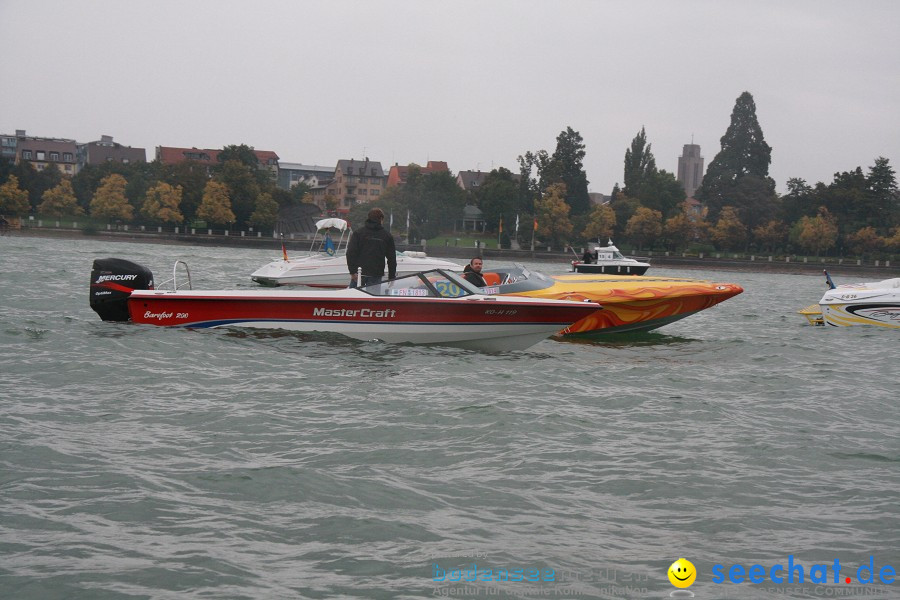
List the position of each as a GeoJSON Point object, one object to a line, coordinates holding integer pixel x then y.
{"type": "Point", "coordinates": [370, 248]}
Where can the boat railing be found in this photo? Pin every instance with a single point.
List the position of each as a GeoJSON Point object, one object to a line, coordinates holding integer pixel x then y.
{"type": "Point", "coordinates": [174, 279]}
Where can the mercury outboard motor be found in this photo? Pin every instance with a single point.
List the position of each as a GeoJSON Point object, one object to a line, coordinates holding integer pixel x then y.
{"type": "Point", "coordinates": [112, 280]}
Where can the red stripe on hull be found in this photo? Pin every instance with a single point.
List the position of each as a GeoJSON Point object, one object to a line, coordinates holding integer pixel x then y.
{"type": "Point", "coordinates": [186, 310]}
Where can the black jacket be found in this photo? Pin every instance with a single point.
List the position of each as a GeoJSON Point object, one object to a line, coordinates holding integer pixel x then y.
{"type": "Point", "coordinates": [472, 277]}
{"type": "Point", "coordinates": [369, 248]}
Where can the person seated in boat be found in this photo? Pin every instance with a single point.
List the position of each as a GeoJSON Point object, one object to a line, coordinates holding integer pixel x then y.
{"type": "Point", "coordinates": [472, 272]}
{"type": "Point", "coordinates": [588, 256]}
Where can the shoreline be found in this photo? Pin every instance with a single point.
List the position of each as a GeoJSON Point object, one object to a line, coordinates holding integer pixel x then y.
{"type": "Point", "coordinates": [762, 265]}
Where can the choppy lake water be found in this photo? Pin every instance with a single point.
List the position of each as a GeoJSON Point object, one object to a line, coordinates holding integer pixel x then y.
{"type": "Point", "coordinates": [140, 462]}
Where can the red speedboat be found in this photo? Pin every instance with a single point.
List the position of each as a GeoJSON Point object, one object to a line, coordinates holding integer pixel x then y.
{"type": "Point", "coordinates": [433, 307]}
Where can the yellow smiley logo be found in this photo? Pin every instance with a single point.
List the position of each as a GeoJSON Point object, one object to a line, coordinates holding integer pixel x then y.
{"type": "Point", "coordinates": [682, 573]}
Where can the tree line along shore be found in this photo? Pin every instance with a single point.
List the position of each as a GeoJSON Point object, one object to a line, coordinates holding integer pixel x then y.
{"type": "Point", "coordinates": [735, 210]}
{"type": "Point", "coordinates": [876, 269]}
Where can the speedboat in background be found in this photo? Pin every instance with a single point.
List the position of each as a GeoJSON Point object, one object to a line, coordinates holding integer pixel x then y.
{"type": "Point", "coordinates": [609, 261]}
{"type": "Point", "coordinates": [629, 303]}
{"type": "Point", "coordinates": [325, 265]}
{"type": "Point", "coordinates": [435, 307]}
{"type": "Point", "coordinates": [871, 303]}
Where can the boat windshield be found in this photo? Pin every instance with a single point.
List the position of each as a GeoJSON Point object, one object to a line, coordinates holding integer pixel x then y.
{"type": "Point", "coordinates": [518, 278]}
{"type": "Point", "coordinates": [436, 283]}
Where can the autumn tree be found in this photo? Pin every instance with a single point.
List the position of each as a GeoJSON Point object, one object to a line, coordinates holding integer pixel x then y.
{"type": "Point", "coordinates": [685, 228]}
{"type": "Point", "coordinates": [331, 202]}
{"type": "Point", "coordinates": [216, 204]}
{"type": "Point", "coordinates": [864, 241]}
{"type": "Point", "coordinates": [552, 214]}
{"type": "Point", "coordinates": [729, 233]}
{"type": "Point", "coordinates": [266, 213]}
{"type": "Point", "coordinates": [61, 201]}
{"type": "Point", "coordinates": [644, 226]}
{"type": "Point", "coordinates": [893, 242]}
{"type": "Point", "coordinates": [13, 200]}
{"type": "Point", "coordinates": [163, 203]}
{"type": "Point", "coordinates": [770, 235]}
{"type": "Point", "coordinates": [601, 223]}
{"type": "Point", "coordinates": [110, 202]}
{"type": "Point", "coordinates": [816, 234]}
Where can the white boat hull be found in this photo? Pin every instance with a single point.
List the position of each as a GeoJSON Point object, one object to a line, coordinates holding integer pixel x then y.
{"type": "Point", "coordinates": [477, 336]}
{"type": "Point", "coordinates": [874, 303]}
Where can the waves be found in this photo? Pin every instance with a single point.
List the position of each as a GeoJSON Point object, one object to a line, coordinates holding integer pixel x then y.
{"type": "Point", "coordinates": [169, 463]}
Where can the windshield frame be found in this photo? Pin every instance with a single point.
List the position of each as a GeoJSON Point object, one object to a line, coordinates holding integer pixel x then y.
{"type": "Point", "coordinates": [422, 281]}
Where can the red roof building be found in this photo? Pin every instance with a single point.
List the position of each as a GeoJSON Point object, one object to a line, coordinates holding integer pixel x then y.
{"type": "Point", "coordinates": [398, 174]}
{"type": "Point", "coordinates": [172, 156]}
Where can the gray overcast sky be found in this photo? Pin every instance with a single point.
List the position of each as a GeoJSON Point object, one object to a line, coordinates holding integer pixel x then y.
{"type": "Point", "coordinates": [474, 83]}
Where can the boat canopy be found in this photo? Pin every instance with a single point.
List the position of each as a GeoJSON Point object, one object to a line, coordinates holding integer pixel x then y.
{"type": "Point", "coordinates": [338, 224]}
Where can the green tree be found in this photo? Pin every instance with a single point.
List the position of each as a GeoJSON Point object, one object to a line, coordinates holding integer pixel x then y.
{"type": "Point", "coordinates": [216, 205]}
{"type": "Point", "coordinates": [162, 204]}
{"type": "Point", "coordinates": [799, 201]}
{"type": "Point", "coordinates": [639, 164]}
{"type": "Point", "coordinates": [435, 202]}
{"type": "Point", "coordinates": [552, 213]}
{"type": "Point", "coordinates": [300, 193]}
{"type": "Point", "coordinates": [540, 170]}
{"type": "Point", "coordinates": [13, 200]}
{"type": "Point", "coordinates": [110, 202]}
{"type": "Point", "coordinates": [240, 152]}
{"type": "Point", "coordinates": [498, 195]}
{"type": "Point", "coordinates": [266, 213]}
{"type": "Point", "coordinates": [624, 207]}
{"type": "Point", "coordinates": [756, 202]}
{"type": "Point", "coordinates": [61, 201]}
{"type": "Point", "coordinates": [744, 153]}
{"type": "Point", "coordinates": [567, 166]}
{"type": "Point", "coordinates": [243, 189]}
{"type": "Point", "coordinates": [601, 223]}
{"type": "Point", "coordinates": [35, 182]}
{"type": "Point", "coordinates": [645, 226]}
{"type": "Point", "coordinates": [246, 155]}
{"type": "Point", "coordinates": [883, 198]}
{"type": "Point", "coordinates": [661, 191]}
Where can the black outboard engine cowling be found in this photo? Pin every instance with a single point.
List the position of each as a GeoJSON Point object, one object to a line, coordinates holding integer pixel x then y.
{"type": "Point", "coordinates": [112, 280]}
